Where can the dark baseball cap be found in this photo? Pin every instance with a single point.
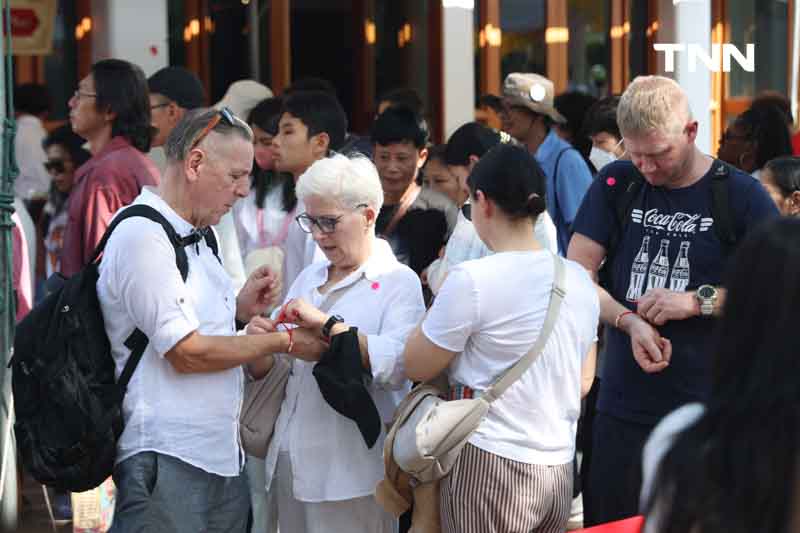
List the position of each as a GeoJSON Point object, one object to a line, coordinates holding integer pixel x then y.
{"type": "Point", "coordinates": [473, 138]}
{"type": "Point", "coordinates": [179, 85]}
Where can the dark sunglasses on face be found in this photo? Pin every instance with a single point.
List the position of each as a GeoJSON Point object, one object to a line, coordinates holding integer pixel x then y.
{"type": "Point", "coordinates": [55, 165]}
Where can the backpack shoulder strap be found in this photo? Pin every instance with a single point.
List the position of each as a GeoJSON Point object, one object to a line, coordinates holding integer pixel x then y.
{"type": "Point", "coordinates": [137, 340]}
{"type": "Point", "coordinates": [720, 206]}
{"type": "Point", "coordinates": [145, 211]}
{"type": "Point", "coordinates": [621, 193]}
{"type": "Point", "coordinates": [556, 207]}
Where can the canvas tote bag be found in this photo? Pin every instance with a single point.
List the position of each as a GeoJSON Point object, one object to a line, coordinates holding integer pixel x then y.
{"type": "Point", "coordinates": [429, 432]}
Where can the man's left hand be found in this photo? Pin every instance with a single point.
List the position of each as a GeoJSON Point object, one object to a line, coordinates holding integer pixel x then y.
{"type": "Point", "coordinates": [659, 306]}
{"type": "Point", "coordinates": [260, 292]}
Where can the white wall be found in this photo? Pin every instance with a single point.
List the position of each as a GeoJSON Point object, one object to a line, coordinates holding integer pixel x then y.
{"type": "Point", "coordinates": [690, 23]}
{"type": "Point", "coordinates": [134, 30]}
{"type": "Point", "coordinates": [459, 66]}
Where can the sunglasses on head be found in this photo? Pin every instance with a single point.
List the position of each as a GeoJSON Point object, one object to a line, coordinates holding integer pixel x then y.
{"type": "Point", "coordinates": [55, 165]}
{"type": "Point", "coordinates": [223, 114]}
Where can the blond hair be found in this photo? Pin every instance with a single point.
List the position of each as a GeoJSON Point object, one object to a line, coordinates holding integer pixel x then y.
{"type": "Point", "coordinates": [653, 103]}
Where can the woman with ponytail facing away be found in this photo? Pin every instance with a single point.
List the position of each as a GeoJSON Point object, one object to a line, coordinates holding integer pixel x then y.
{"type": "Point", "coordinates": [515, 473]}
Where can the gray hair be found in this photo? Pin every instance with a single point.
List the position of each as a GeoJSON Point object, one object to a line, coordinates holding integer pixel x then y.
{"type": "Point", "coordinates": [351, 180]}
{"type": "Point", "coordinates": [653, 103]}
{"type": "Point", "coordinates": [183, 136]}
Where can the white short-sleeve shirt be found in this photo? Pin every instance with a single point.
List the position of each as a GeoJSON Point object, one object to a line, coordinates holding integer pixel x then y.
{"type": "Point", "coordinates": [193, 417]}
{"type": "Point", "coordinates": [330, 461]}
{"type": "Point", "coordinates": [492, 310]}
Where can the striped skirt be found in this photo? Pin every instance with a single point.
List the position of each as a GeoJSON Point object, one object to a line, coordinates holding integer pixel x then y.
{"type": "Point", "coordinates": [486, 493]}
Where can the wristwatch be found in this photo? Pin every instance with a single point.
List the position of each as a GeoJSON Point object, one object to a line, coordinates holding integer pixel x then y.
{"type": "Point", "coordinates": [707, 296]}
{"type": "Point", "coordinates": [332, 321]}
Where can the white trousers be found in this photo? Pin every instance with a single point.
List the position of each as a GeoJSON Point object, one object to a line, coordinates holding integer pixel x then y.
{"type": "Point", "coordinates": [359, 515]}
{"type": "Point", "coordinates": [263, 503]}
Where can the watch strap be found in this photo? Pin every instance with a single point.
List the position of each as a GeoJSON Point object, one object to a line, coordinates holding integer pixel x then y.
{"type": "Point", "coordinates": [333, 320]}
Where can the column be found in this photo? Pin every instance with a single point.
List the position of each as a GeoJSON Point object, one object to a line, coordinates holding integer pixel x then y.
{"type": "Point", "coordinates": [134, 31]}
{"type": "Point", "coordinates": [557, 39]}
{"type": "Point", "coordinates": [459, 66]}
{"type": "Point", "coordinates": [690, 23]}
{"type": "Point", "coordinates": [280, 44]}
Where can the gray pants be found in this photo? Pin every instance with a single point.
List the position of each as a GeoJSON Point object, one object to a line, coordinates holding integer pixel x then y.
{"type": "Point", "coordinates": [159, 493]}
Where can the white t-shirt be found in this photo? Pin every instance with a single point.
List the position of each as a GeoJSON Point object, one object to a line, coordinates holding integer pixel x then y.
{"type": "Point", "coordinates": [492, 310]}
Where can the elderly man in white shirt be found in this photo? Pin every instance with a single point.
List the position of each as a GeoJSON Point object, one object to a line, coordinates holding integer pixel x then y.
{"type": "Point", "coordinates": [179, 459]}
{"type": "Point", "coordinates": [323, 470]}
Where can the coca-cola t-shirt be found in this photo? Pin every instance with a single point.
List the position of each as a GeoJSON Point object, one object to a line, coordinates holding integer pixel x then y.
{"type": "Point", "coordinates": [669, 242]}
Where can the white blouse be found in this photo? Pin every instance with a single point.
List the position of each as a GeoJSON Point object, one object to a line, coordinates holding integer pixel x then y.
{"type": "Point", "coordinates": [330, 461]}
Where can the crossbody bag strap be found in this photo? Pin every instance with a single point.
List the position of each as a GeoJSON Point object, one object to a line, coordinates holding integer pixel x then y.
{"type": "Point", "coordinates": [332, 297]}
{"type": "Point", "coordinates": [405, 203]}
{"type": "Point", "coordinates": [557, 207]}
{"type": "Point", "coordinates": [515, 372]}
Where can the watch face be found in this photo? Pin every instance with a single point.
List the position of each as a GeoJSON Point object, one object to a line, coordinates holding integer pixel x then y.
{"type": "Point", "coordinates": [706, 292]}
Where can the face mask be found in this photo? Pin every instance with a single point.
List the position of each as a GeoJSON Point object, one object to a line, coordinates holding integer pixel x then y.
{"type": "Point", "coordinates": [600, 157]}
{"type": "Point", "coordinates": [264, 159]}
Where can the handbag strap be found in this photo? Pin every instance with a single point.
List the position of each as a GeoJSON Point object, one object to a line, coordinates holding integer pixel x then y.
{"type": "Point", "coordinates": [520, 367]}
{"type": "Point", "coordinates": [408, 198]}
{"type": "Point", "coordinates": [331, 297]}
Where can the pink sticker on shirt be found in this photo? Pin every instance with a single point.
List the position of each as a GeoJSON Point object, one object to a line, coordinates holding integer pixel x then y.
{"type": "Point", "coordinates": [376, 286]}
{"type": "Point", "coordinates": [611, 181]}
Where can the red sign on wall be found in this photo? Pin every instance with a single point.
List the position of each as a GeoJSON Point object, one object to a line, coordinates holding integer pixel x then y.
{"type": "Point", "coordinates": [32, 24]}
{"type": "Point", "coordinates": [24, 22]}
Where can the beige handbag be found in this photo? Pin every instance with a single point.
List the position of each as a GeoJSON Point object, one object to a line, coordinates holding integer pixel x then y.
{"type": "Point", "coordinates": [429, 432]}
{"type": "Point", "coordinates": [263, 398]}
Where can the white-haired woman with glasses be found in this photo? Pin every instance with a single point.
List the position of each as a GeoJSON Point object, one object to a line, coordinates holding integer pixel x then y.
{"type": "Point", "coordinates": [321, 464]}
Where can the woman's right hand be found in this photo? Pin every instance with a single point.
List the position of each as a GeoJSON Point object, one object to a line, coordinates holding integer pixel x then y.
{"type": "Point", "coordinates": [307, 344]}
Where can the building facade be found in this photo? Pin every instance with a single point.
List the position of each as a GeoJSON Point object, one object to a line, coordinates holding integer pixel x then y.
{"type": "Point", "coordinates": [450, 51]}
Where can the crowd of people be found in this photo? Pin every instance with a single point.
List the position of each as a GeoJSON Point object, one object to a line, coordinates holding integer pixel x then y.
{"type": "Point", "coordinates": [363, 264]}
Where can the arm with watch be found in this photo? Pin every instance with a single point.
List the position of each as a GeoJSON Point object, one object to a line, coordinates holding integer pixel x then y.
{"type": "Point", "coordinates": [651, 351]}
{"type": "Point", "coordinates": [659, 306]}
{"type": "Point", "coordinates": [307, 316]}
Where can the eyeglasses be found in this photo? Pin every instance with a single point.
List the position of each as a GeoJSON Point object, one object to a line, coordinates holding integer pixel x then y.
{"type": "Point", "coordinates": [223, 114]}
{"type": "Point", "coordinates": [55, 165]}
{"type": "Point", "coordinates": [326, 225]}
{"type": "Point", "coordinates": [77, 95]}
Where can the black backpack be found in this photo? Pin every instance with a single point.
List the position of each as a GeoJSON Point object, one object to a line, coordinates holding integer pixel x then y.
{"type": "Point", "coordinates": [68, 405]}
{"type": "Point", "coordinates": [622, 192]}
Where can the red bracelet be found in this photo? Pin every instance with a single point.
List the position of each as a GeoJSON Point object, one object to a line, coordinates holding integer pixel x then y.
{"type": "Point", "coordinates": [621, 316]}
{"type": "Point", "coordinates": [291, 341]}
